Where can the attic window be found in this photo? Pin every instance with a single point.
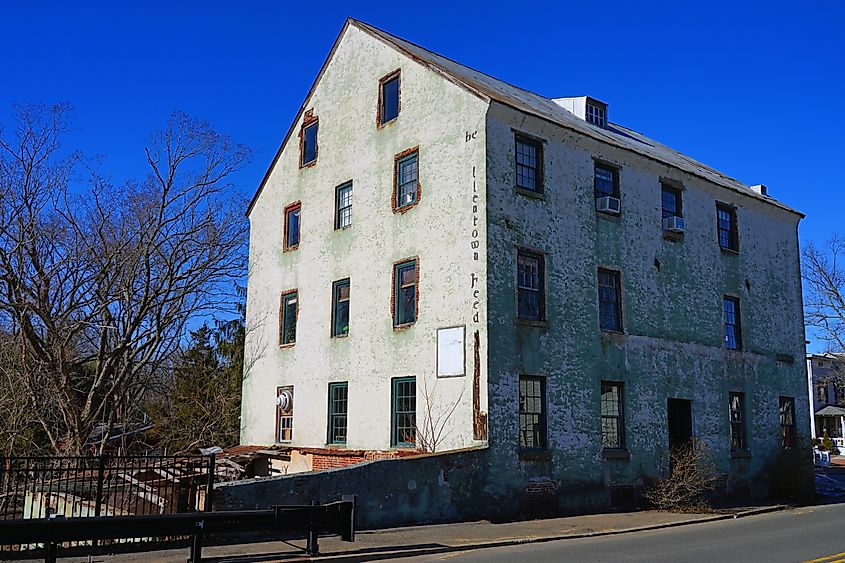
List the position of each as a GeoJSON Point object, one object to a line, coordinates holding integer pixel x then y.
{"type": "Point", "coordinates": [308, 142]}
{"type": "Point", "coordinates": [388, 103]}
{"type": "Point", "coordinates": [596, 114]}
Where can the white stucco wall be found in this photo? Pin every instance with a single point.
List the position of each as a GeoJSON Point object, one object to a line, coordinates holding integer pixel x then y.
{"type": "Point", "coordinates": [447, 123]}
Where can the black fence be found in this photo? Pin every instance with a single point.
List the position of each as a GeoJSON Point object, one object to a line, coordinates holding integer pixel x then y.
{"type": "Point", "coordinates": [54, 533]}
{"type": "Point", "coordinates": [82, 487]}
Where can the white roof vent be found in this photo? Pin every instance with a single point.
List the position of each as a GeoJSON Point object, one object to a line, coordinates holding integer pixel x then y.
{"type": "Point", "coordinates": [761, 189]}
{"type": "Point", "coordinates": [589, 109]}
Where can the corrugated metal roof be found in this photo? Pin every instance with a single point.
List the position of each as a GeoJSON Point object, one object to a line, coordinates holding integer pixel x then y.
{"type": "Point", "coordinates": [490, 88]}
{"type": "Point", "coordinates": [545, 108]}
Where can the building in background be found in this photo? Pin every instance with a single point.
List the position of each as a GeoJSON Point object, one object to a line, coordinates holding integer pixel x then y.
{"type": "Point", "coordinates": [826, 379]}
{"type": "Point", "coordinates": [441, 260]}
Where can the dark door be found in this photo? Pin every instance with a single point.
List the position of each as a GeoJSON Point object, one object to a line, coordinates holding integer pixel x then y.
{"type": "Point", "coordinates": [680, 422]}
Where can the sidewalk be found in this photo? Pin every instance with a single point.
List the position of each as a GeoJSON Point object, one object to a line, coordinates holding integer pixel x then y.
{"type": "Point", "coordinates": [425, 540]}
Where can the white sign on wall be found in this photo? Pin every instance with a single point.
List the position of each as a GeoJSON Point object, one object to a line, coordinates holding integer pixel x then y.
{"type": "Point", "coordinates": [451, 351]}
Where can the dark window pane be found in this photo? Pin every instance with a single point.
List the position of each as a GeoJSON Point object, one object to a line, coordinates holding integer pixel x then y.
{"type": "Point", "coordinates": [733, 335]}
{"type": "Point", "coordinates": [671, 200]}
{"type": "Point", "coordinates": [340, 308]}
{"type": "Point", "coordinates": [408, 181]}
{"type": "Point", "coordinates": [610, 299]}
{"type": "Point", "coordinates": [293, 227]}
{"type": "Point", "coordinates": [605, 181]}
{"type": "Point", "coordinates": [405, 294]}
{"type": "Point", "coordinates": [530, 291]}
{"type": "Point", "coordinates": [727, 227]}
{"type": "Point", "coordinates": [289, 312]}
{"type": "Point", "coordinates": [529, 156]}
{"type": "Point", "coordinates": [309, 144]}
{"type": "Point", "coordinates": [389, 100]}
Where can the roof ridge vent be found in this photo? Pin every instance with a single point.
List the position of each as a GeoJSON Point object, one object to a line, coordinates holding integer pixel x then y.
{"type": "Point", "coordinates": [589, 109]}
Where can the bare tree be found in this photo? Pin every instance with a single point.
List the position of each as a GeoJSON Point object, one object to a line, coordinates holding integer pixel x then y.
{"type": "Point", "coordinates": [432, 421]}
{"type": "Point", "coordinates": [691, 478]}
{"type": "Point", "coordinates": [99, 286]}
{"type": "Point", "coordinates": [824, 300]}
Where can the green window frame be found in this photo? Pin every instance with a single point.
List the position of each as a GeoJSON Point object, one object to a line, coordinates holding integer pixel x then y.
{"type": "Point", "coordinates": [405, 292]}
{"type": "Point", "coordinates": [338, 408]}
{"type": "Point", "coordinates": [340, 307]}
{"type": "Point", "coordinates": [289, 313]}
{"type": "Point", "coordinates": [403, 412]}
{"type": "Point", "coordinates": [532, 412]}
{"type": "Point", "coordinates": [343, 206]}
{"type": "Point", "coordinates": [407, 180]}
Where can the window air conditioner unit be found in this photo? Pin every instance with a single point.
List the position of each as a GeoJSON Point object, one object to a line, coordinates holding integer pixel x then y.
{"type": "Point", "coordinates": [609, 205]}
{"type": "Point", "coordinates": [673, 224]}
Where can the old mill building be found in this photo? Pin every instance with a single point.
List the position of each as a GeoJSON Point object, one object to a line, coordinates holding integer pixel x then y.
{"type": "Point", "coordinates": [440, 260]}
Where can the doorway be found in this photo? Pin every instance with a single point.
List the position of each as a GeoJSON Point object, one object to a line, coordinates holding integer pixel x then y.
{"type": "Point", "coordinates": [679, 413]}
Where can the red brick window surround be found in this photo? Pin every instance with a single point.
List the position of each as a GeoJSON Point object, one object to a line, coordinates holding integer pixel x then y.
{"type": "Point", "coordinates": [405, 294]}
{"type": "Point", "coordinates": [293, 222]}
{"type": "Point", "coordinates": [308, 145]}
{"type": "Point", "coordinates": [407, 190]}
{"type": "Point", "coordinates": [389, 98]}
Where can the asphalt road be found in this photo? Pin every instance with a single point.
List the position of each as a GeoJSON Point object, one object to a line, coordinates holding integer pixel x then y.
{"type": "Point", "coordinates": [814, 533]}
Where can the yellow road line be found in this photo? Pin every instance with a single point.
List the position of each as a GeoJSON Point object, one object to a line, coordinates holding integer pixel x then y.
{"type": "Point", "coordinates": [828, 558]}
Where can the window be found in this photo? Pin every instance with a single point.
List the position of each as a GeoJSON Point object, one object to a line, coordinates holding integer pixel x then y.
{"type": "Point", "coordinates": [343, 206]}
{"type": "Point", "coordinates": [404, 412]}
{"type": "Point", "coordinates": [407, 184]}
{"type": "Point", "coordinates": [388, 103]}
{"type": "Point", "coordinates": [737, 414]}
{"type": "Point", "coordinates": [530, 283]}
{"type": "Point", "coordinates": [612, 420]}
{"type": "Point", "coordinates": [292, 213]}
{"type": "Point", "coordinates": [606, 181]}
{"type": "Point", "coordinates": [532, 412]}
{"type": "Point", "coordinates": [405, 296]}
{"type": "Point", "coordinates": [671, 201]}
{"type": "Point", "coordinates": [338, 396]}
{"type": "Point", "coordinates": [288, 317]}
{"type": "Point", "coordinates": [821, 393]}
{"type": "Point", "coordinates": [733, 325]}
{"type": "Point", "coordinates": [610, 300]}
{"type": "Point", "coordinates": [787, 422]}
{"type": "Point", "coordinates": [284, 413]}
{"type": "Point", "coordinates": [529, 164]}
{"type": "Point", "coordinates": [308, 143]}
{"type": "Point", "coordinates": [597, 115]}
{"type": "Point", "coordinates": [727, 227]}
{"type": "Point", "coordinates": [340, 307]}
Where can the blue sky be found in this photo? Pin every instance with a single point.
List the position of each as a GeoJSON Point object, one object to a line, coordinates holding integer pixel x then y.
{"type": "Point", "coordinates": [754, 89]}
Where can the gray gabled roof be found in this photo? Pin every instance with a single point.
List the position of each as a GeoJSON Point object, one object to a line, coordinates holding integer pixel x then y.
{"type": "Point", "coordinates": [490, 88]}
{"type": "Point", "coordinates": [830, 410]}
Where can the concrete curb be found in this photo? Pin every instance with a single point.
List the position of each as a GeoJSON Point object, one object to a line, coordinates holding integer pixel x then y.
{"type": "Point", "coordinates": [391, 554]}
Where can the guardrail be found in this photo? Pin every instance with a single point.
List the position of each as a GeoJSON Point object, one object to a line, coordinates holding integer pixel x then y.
{"type": "Point", "coordinates": [334, 518]}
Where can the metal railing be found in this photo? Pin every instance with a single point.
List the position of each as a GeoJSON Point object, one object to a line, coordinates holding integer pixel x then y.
{"type": "Point", "coordinates": [103, 486]}
{"type": "Point", "coordinates": [54, 533]}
